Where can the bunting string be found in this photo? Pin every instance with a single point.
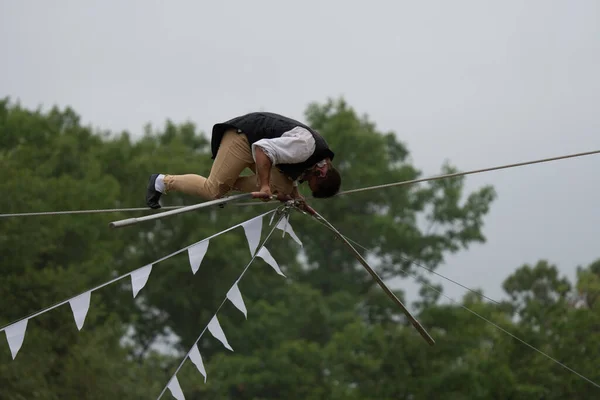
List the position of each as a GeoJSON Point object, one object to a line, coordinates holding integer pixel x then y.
{"type": "Point", "coordinates": [235, 297]}
{"type": "Point", "coordinates": [15, 331]}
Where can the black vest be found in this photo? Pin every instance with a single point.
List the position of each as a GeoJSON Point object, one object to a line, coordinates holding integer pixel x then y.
{"type": "Point", "coordinates": [266, 125]}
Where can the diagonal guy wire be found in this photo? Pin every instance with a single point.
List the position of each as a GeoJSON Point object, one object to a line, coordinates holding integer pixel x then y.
{"type": "Point", "coordinates": [490, 322]}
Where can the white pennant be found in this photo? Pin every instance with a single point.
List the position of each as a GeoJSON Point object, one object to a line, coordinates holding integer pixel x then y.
{"type": "Point", "coordinates": [266, 255]}
{"type": "Point", "coordinates": [235, 296]}
{"type": "Point", "coordinates": [253, 230]}
{"type": "Point", "coordinates": [175, 388]}
{"type": "Point", "coordinates": [284, 225]}
{"type": "Point", "coordinates": [15, 334]}
{"type": "Point", "coordinates": [196, 254]}
{"type": "Point", "coordinates": [80, 306]}
{"type": "Point", "coordinates": [215, 329]}
{"type": "Point", "coordinates": [197, 360]}
{"type": "Point", "coordinates": [139, 279]}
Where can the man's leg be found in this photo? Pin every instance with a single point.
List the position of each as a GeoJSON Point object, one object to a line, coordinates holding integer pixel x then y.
{"type": "Point", "coordinates": [279, 183]}
{"type": "Point", "coordinates": [247, 184]}
{"type": "Point", "coordinates": [233, 156]}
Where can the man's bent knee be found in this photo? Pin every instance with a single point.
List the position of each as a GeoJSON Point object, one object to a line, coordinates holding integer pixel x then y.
{"type": "Point", "coordinates": [215, 190]}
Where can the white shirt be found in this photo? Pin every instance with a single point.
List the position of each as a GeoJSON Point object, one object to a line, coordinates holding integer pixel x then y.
{"type": "Point", "coordinates": [294, 146]}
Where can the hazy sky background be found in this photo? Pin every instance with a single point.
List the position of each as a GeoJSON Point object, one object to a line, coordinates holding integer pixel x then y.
{"type": "Point", "coordinates": [478, 83]}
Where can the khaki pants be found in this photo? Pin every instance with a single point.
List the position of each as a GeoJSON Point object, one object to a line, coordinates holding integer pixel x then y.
{"type": "Point", "coordinates": [233, 157]}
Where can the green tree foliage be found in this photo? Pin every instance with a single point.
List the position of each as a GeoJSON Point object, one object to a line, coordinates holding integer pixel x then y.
{"type": "Point", "coordinates": [324, 332]}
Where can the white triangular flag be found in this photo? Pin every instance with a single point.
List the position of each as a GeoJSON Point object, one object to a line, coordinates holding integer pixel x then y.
{"type": "Point", "coordinates": [253, 230]}
{"type": "Point", "coordinates": [197, 360]}
{"type": "Point", "coordinates": [266, 255]}
{"type": "Point", "coordinates": [139, 278]}
{"type": "Point", "coordinates": [80, 306]}
{"type": "Point", "coordinates": [215, 329]}
{"type": "Point", "coordinates": [15, 334]}
{"type": "Point", "coordinates": [235, 296]}
{"type": "Point", "coordinates": [175, 388]}
{"type": "Point", "coordinates": [282, 224]}
{"type": "Point", "coordinates": [196, 254]}
{"type": "Point", "coordinates": [285, 226]}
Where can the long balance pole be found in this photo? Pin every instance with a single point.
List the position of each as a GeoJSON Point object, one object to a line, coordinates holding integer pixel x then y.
{"type": "Point", "coordinates": [364, 263]}
{"type": "Point", "coordinates": [131, 221]}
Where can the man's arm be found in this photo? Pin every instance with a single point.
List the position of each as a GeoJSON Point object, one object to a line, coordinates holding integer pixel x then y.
{"type": "Point", "coordinates": [263, 169]}
{"type": "Point", "coordinates": [294, 146]}
{"type": "Point", "coordinates": [296, 194]}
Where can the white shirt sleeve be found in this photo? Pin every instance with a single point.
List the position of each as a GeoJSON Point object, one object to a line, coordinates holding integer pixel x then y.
{"type": "Point", "coordinates": [294, 146]}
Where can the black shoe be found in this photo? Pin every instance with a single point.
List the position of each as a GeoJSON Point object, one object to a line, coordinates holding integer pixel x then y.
{"type": "Point", "coordinates": [152, 195]}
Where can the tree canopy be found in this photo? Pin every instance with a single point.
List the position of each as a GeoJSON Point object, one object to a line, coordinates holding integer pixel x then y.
{"type": "Point", "coordinates": [326, 331]}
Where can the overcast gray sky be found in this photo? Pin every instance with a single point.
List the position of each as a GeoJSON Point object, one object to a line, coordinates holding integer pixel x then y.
{"type": "Point", "coordinates": [478, 83]}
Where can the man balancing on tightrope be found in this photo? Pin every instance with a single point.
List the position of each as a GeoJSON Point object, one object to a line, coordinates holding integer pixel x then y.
{"type": "Point", "coordinates": [280, 151]}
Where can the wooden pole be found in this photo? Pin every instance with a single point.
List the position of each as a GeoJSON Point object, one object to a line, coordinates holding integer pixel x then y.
{"type": "Point", "coordinates": [132, 221]}
{"type": "Point", "coordinates": [370, 270]}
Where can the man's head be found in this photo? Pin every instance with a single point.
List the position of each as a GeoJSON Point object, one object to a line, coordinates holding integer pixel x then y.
{"type": "Point", "coordinates": [323, 179]}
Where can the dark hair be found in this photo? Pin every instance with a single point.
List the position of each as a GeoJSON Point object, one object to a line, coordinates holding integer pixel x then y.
{"type": "Point", "coordinates": [329, 185]}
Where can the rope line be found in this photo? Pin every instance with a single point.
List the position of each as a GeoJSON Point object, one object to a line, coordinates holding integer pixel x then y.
{"type": "Point", "coordinates": [401, 183]}
{"type": "Point", "coordinates": [109, 210]}
{"type": "Point", "coordinates": [487, 320]}
{"type": "Point", "coordinates": [476, 171]}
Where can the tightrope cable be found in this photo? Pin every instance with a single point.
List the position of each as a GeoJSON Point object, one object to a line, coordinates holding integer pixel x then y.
{"type": "Point", "coordinates": [475, 171]}
{"type": "Point", "coordinates": [112, 210]}
{"type": "Point", "coordinates": [401, 183]}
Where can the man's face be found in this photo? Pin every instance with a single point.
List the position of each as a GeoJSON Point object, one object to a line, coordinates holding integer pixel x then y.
{"type": "Point", "coordinates": [317, 172]}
